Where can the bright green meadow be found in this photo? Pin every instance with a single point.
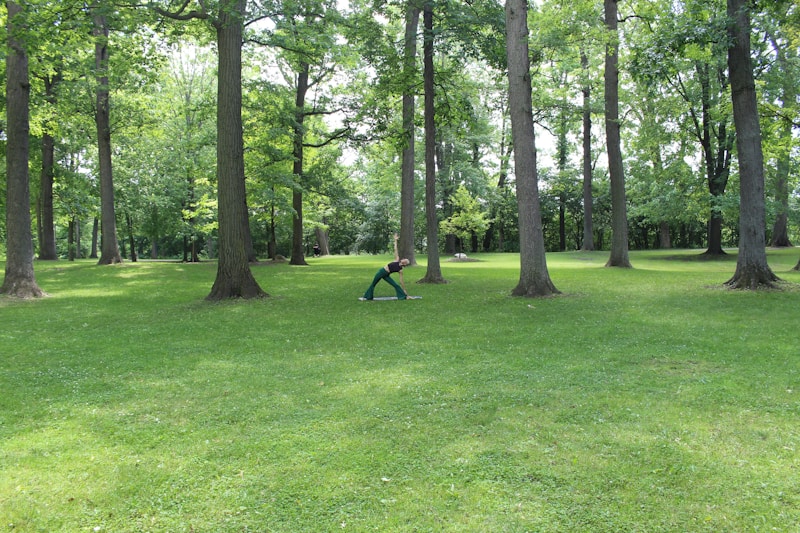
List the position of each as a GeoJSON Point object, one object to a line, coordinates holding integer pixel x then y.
{"type": "Point", "coordinates": [642, 400]}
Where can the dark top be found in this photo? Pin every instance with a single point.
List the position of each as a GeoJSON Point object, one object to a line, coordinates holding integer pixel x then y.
{"type": "Point", "coordinates": [394, 266]}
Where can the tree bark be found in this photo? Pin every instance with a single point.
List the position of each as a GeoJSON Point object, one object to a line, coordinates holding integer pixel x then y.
{"type": "Point", "coordinates": [534, 279]}
{"type": "Point", "coordinates": [434, 272]}
{"type": "Point", "coordinates": [298, 256]}
{"type": "Point", "coordinates": [95, 236]}
{"type": "Point", "coordinates": [752, 270]}
{"type": "Point", "coordinates": [780, 229]}
{"type": "Point", "coordinates": [234, 277]}
{"type": "Point", "coordinates": [47, 235]}
{"type": "Point", "coordinates": [716, 141]}
{"type": "Point", "coordinates": [406, 244]}
{"type": "Point", "coordinates": [588, 202]}
{"type": "Point", "coordinates": [20, 280]}
{"type": "Point", "coordinates": [131, 240]}
{"type": "Point", "coordinates": [109, 247]}
{"type": "Point", "coordinates": [619, 208]}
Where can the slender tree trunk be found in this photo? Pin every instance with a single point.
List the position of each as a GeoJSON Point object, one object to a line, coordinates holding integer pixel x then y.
{"type": "Point", "coordinates": [752, 270]}
{"type": "Point", "coordinates": [717, 161]}
{"type": "Point", "coordinates": [407, 207]}
{"type": "Point", "coordinates": [234, 277]}
{"type": "Point", "coordinates": [562, 149]}
{"type": "Point", "coordinates": [588, 201]}
{"type": "Point", "coordinates": [47, 241]}
{"type": "Point", "coordinates": [272, 245]}
{"type": "Point", "coordinates": [534, 279]}
{"type": "Point", "coordinates": [619, 208]}
{"type": "Point", "coordinates": [298, 256]}
{"type": "Point", "coordinates": [95, 237]}
{"type": "Point", "coordinates": [131, 241]}
{"type": "Point", "coordinates": [71, 239]}
{"type": "Point", "coordinates": [19, 280]}
{"type": "Point", "coordinates": [506, 149]}
{"type": "Point", "coordinates": [780, 229]}
{"type": "Point", "coordinates": [109, 247]}
{"type": "Point", "coordinates": [434, 271]}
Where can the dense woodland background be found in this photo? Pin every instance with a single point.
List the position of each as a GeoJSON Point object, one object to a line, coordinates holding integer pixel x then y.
{"type": "Point", "coordinates": [325, 131]}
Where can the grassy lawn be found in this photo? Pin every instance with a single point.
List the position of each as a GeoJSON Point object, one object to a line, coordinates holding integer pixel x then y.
{"type": "Point", "coordinates": [642, 400]}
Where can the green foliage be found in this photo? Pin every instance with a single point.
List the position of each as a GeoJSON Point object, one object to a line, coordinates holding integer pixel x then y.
{"type": "Point", "coordinates": [641, 400]}
{"type": "Point", "coordinates": [468, 217]}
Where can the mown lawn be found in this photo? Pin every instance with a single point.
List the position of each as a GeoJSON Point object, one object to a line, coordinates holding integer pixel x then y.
{"type": "Point", "coordinates": [642, 400]}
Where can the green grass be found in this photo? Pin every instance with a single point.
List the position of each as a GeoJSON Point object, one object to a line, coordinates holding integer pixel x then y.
{"type": "Point", "coordinates": [641, 400]}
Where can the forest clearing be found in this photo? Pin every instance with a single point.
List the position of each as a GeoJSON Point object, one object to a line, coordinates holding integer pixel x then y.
{"type": "Point", "coordinates": [644, 399]}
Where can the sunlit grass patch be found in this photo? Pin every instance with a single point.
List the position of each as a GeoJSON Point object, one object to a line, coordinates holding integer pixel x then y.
{"type": "Point", "coordinates": [644, 399]}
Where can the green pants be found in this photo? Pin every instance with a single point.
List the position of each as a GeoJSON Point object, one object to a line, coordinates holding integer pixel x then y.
{"type": "Point", "coordinates": [383, 274]}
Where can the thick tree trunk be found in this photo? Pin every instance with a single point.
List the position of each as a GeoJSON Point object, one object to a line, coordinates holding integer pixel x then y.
{"type": "Point", "coordinates": [619, 208]}
{"type": "Point", "coordinates": [434, 271]}
{"type": "Point", "coordinates": [109, 247]}
{"type": "Point", "coordinates": [234, 278]}
{"type": "Point", "coordinates": [298, 255]}
{"type": "Point", "coordinates": [534, 279]}
{"type": "Point", "coordinates": [407, 207]}
{"type": "Point", "coordinates": [19, 280]}
{"type": "Point", "coordinates": [752, 270]}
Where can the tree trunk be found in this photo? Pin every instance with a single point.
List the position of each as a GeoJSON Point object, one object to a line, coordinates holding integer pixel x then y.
{"type": "Point", "coordinates": [752, 270]}
{"type": "Point", "coordinates": [95, 236]}
{"type": "Point", "coordinates": [498, 224]}
{"type": "Point", "coordinates": [434, 272]}
{"type": "Point", "coordinates": [47, 242]}
{"type": "Point", "coordinates": [298, 256]}
{"type": "Point", "coordinates": [780, 229]}
{"type": "Point", "coordinates": [234, 278]}
{"type": "Point", "coordinates": [109, 247]}
{"type": "Point", "coordinates": [534, 279]}
{"type": "Point", "coordinates": [717, 162]}
{"type": "Point", "coordinates": [19, 280]}
{"type": "Point", "coordinates": [562, 151]}
{"type": "Point", "coordinates": [664, 241]}
{"type": "Point", "coordinates": [588, 237]}
{"type": "Point", "coordinates": [407, 207]}
{"type": "Point", "coordinates": [272, 245]}
{"type": "Point", "coordinates": [47, 235]}
{"type": "Point", "coordinates": [71, 239]}
{"type": "Point", "coordinates": [131, 241]}
{"type": "Point", "coordinates": [619, 209]}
